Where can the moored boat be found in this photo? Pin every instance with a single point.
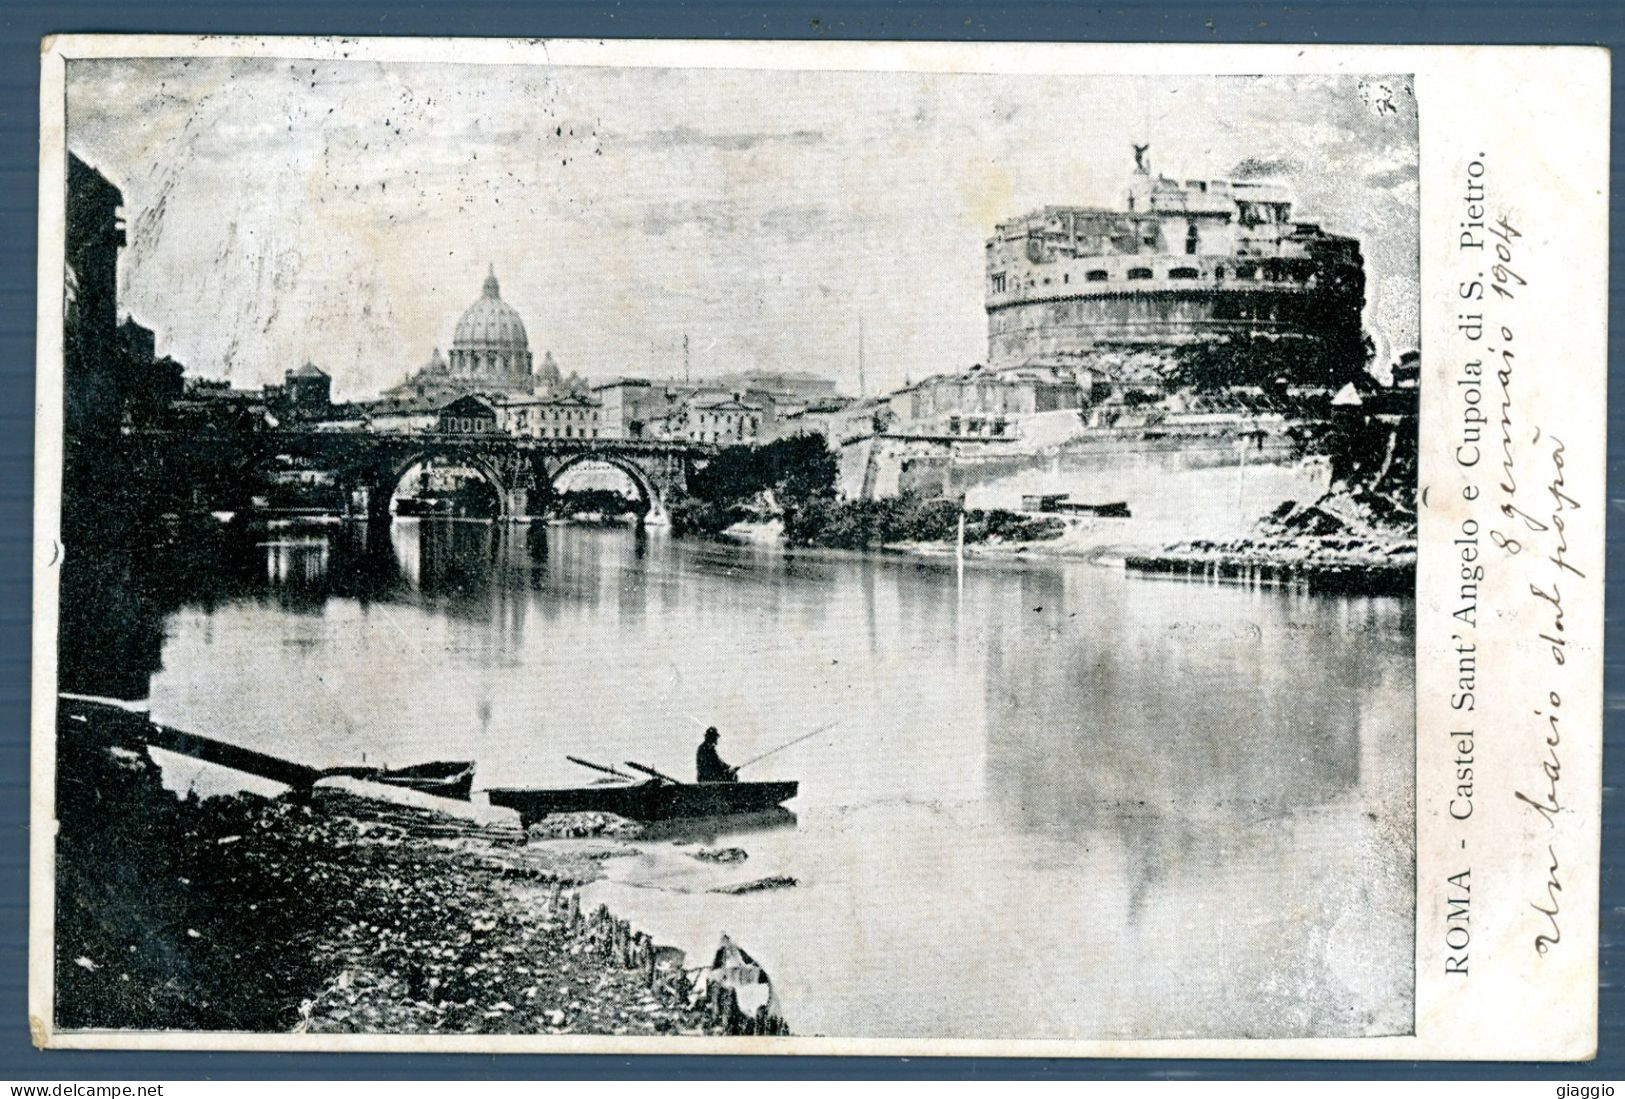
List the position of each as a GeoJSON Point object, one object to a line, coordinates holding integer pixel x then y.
{"type": "Point", "coordinates": [443, 778]}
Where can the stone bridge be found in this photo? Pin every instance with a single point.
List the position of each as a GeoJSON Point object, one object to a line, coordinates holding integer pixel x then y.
{"type": "Point", "coordinates": [523, 471]}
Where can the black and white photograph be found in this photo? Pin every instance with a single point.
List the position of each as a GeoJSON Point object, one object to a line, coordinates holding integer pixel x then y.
{"type": "Point", "coordinates": [688, 553]}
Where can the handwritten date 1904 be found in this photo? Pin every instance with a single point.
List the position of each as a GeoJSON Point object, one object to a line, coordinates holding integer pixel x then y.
{"type": "Point", "coordinates": [1506, 281]}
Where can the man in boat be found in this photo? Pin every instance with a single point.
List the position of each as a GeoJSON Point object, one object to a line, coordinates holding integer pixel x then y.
{"type": "Point", "coordinates": [708, 766]}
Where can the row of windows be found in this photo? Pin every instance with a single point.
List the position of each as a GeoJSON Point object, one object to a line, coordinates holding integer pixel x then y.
{"type": "Point", "coordinates": [975, 426]}
{"type": "Point", "coordinates": [493, 359]}
{"type": "Point", "coordinates": [1269, 272]}
{"type": "Point", "coordinates": [467, 425]}
{"type": "Point", "coordinates": [726, 426]}
{"type": "Point", "coordinates": [523, 419]}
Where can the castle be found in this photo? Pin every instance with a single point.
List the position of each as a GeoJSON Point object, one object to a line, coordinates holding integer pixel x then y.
{"type": "Point", "coordinates": [1193, 264]}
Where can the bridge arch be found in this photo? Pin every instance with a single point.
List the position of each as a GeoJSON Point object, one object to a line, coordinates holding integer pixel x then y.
{"type": "Point", "coordinates": [252, 471]}
{"type": "Point", "coordinates": [510, 500]}
{"type": "Point", "coordinates": [648, 489]}
{"type": "Point", "coordinates": [368, 466]}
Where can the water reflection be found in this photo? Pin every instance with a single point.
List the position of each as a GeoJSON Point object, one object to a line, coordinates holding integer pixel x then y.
{"type": "Point", "coordinates": [714, 829]}
{"type": "Point", "coordinates": [1202, 707]}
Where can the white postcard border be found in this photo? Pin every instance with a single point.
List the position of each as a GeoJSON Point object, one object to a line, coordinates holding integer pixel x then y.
{"type": "Point", "coordinates": [1537, 118]}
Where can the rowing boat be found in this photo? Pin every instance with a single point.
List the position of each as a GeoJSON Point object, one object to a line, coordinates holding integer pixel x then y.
{"type": "Point", "coordinates": [647, 801]}
{"type": "Point", "coordinates": [443, 778]}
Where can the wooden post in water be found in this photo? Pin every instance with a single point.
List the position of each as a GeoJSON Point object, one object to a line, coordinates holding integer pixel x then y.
{"type": "Point", "coordinates": [959, 560]}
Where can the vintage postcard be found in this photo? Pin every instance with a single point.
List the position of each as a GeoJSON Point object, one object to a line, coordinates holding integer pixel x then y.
{"type": "Point", "coordinates": [819, 548]}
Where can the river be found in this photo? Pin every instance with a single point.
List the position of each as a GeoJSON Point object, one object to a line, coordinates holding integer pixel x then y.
{"type": "Point", "coordinates": [1057, 801]}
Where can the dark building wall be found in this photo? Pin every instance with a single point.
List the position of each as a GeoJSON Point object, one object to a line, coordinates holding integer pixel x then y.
{"type": "Point", "coordinates": [309, 395]}
{"type": "Point", "coordinates": [146, 384]}
{"type": "Point", "coordinates": [91, 351]}
{"type": "Point", "coordinates": [138, 341]}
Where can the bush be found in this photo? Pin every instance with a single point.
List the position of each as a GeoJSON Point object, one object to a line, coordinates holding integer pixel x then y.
{"type": "Point", "coordinates": [690, 515]}
{"type": "Point", "coordinates": [859, 524]}
{"type": "Point", "coordinates": [799, 471]}
{"type": "Point", "coordinates": [796, 468]}
{"type": "Point", "coordinates": [596, 501]}
{"type": "Point", "coordinates": [1208, 367]}
{"type": "Point", "coordinates": [1009, 526]}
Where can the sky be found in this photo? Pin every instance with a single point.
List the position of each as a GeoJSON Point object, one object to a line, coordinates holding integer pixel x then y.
{"type": "Point", "coordinates": [346, 212]}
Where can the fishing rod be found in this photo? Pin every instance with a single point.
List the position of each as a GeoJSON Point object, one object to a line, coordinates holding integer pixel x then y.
{"type": "Point", "coordinates": [789, 744]}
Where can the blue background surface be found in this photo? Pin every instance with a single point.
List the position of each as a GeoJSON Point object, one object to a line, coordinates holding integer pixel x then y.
{"type": "Point", "coordinates": [23, 24]}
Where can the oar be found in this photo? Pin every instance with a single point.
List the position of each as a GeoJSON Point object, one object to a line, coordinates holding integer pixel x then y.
{"type": "Point", "coordinates": [652, 771]}
{"type": "Point", "coordinates": [789, 744]}
{"type": "Point", "coordinates": [599, 767]}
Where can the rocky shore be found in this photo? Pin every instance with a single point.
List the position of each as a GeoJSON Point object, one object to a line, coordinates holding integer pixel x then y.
{"type": "Point", "coordinates": [1331, 546]}
{"type": "Point", "coordinates": [324, 912]}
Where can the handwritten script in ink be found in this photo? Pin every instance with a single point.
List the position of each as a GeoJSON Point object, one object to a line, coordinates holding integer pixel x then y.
{"type": "Point", "coordinates": [1534, 515]}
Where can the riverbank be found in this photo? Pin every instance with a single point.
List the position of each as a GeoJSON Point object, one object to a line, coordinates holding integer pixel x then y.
{"type": "Point", "coordinates": [325, 912]}
{"type": "Point", "coordinates": [1091, 540]}
{"type": "Point", "coordinates": [1335, 545]}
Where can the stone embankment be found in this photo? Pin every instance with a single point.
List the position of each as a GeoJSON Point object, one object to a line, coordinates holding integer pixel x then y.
{"type": "Point", "coordinates": [330, 913]}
